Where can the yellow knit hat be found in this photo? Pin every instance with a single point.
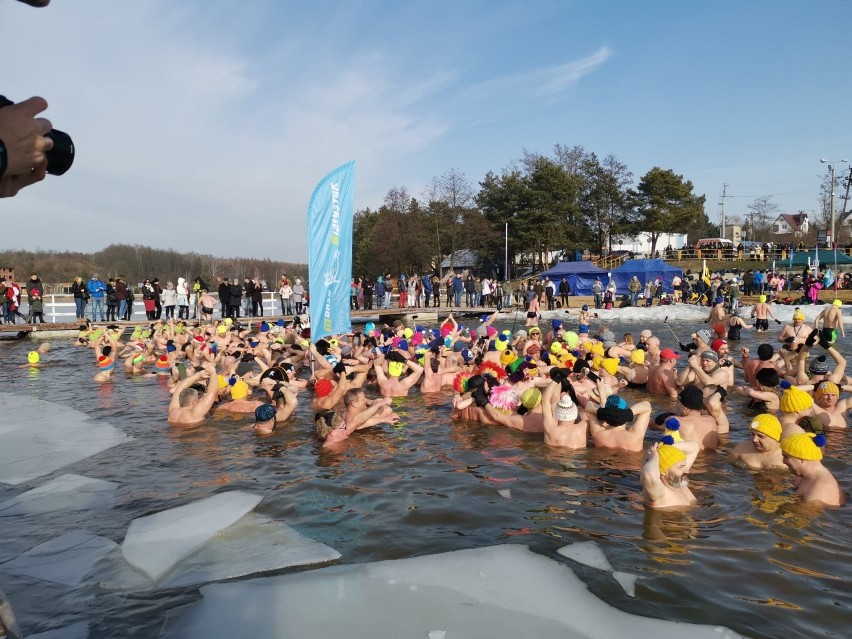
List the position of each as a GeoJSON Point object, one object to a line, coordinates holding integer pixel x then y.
{"type": "Point", "coordinates": [795, 400]}
{"type": "Point", "coordinates": [802, 446]}
{"type": "Point", "coordinates": [610, 365]}
{"type": "Point", "coordinates": [239, 390]}
{"type": "Point", "coordinates": [673, 429]}
{"type": "Point", "coordinates": [768, 425]}
{"type": "Point", "coordinates": [597, 349]}
{"type": "Point", "coordinates": [637, 356]}
{"type": "Point", "coordinates": [556, 348]}
{"type": "Point", "coordinates": [826, 388]}
{"type": "Point", "coordinates": [798, 315]}
{"type": "Point", "coordinates": [530, 398]}
{"type": "Point", "coordinates": [669, 456]}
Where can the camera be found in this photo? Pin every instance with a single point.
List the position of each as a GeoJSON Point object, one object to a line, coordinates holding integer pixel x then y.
{"type": "Point", "coordinates": [61, 156]}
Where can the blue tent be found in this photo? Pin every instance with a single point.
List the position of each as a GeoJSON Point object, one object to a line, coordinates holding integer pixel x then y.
{"type": "Point", "coordinates": [580, 275]}
{"type": "Point", "coordinates": [645, 270]}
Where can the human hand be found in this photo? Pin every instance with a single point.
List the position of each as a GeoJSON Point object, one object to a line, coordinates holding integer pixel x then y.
{"type": "Point", "coordinates": [23, 135]}
{"type": "Point", "coordinates": [10, 185]}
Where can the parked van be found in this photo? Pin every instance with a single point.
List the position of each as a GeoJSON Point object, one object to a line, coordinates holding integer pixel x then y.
{"type": "Point", "coordinates": [714, 243]}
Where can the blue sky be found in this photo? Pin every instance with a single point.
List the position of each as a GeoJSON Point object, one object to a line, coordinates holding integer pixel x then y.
{"type": "Point", "coordinates": [204, 125]}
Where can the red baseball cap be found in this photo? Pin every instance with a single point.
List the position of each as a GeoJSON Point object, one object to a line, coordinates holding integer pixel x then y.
{"type": "Point", "coordinates": [668, 353]}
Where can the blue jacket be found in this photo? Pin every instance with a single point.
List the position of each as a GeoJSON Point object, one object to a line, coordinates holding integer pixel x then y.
{"type": "Point", "coordinates": [427, 283]}
{"type": "Point", "coordinates": [380, 288]}
{"type": "Point", "coordinates": [96, 288]}
{"type": "Point", "coordinates": [458, 285]}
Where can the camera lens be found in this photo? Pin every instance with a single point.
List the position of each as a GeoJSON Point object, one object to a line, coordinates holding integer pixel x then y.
{"type": "Point", "coordinates": [61, 156]}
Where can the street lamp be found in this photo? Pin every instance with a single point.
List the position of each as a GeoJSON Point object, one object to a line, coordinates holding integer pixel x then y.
{"type": "Point", "coordinates": [831, 164]}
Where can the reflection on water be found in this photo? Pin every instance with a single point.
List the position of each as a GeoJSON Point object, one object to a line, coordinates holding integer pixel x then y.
{"type": "Point", "coordinates": [432, 485]}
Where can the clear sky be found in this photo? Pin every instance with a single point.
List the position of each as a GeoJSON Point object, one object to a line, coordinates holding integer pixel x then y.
{"type": "Point", "coordinates": [204, 125]}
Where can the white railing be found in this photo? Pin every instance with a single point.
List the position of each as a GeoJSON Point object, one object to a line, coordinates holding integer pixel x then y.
{"type": "Point", "coordinates": [61, 309]}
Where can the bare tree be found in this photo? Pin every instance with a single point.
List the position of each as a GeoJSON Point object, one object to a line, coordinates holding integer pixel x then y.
{"type": "Point", "coordinates": [761, 215]}
{"type": "Point", "coordinates": [449, 196]}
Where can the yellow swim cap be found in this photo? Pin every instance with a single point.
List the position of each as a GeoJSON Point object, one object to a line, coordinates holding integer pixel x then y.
{"type": "Point", "coordinates": [221, 329]}
{"type": "Point", "coordinates": [507, 357]}
{"type": "Point", "coordinates": [33, 357]}
{"type": "Point", "coordinates": [763, 298]}
{"type": "Point", "coordinates": [395, 368]}
{"type": "Point", "coordinates": [768, 425]}
{"type": "Point", "coordinates": [597, 349]}
{"type": "Point", "coordinates": [637, 356]}
{"type": "Point", "coordinates": [239, 390]}
{"type": "Point", "coordinates": [556, 348]}
{"type": "Point", "coordinates": [669, 456]}
{"type": "Point", "coordinates": [407, 333]}
{"type": "Point", "coordinates": [798, 315]}
{"type": "Point", "coordinates": [837, 303]}
{"type": "Point", "coordinates": [500, 345]}
{"type": "Point", "coordinates": [530, 398]}
{"type": "Point", "coordinates": [229, 320]}
{"type": "Point", "coordinates": [610, 365]}
{"type": "Point", "coordinates": [222, 381]}
{"type": "Point", "coordinates": [802, 446]}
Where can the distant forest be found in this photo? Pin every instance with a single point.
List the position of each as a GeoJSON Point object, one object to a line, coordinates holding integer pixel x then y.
{"type": "Point", "coordinates": [137, 263]}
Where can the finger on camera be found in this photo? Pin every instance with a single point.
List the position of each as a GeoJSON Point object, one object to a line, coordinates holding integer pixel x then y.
{"type": "Point", "coordinates": [31, 106]}
{"type": "Point", "coordinates": [43, 125]}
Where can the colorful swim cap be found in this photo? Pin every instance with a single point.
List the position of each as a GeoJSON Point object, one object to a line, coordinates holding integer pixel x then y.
{"type": "Point", "coordinates": [507, 357]}
{"type": "Point", "coordinates": [669, 456]}
{"type": "Point", "coordinates": [571, 339]}
{"type": "Point", "coordinates": [105, 363]}
{"type": "Point", "coordinates": [530, 398]}
{"type": "Point", "coordinates": [239, 390]}
{"type": "Point", "coordinates": [369, 327]}
{"type": "Point", "coordinates": [504, 398]}
{"type": "Point", "coordinates": [323, 388]}
{"type": "Point", "coordinates": [500, 345]}
{"type": "Point", "coordinates": [407, 333]}
{"type": "Point", "coordinates": [597, 349]}
{"type": "Point", "coordinates": [556, 348]}
{"type": "Point", "coordinates": [584, 329]}
{"type": "Point", "coordinates": [826, 388]}
{"type": "Point", "coordinates": [799, 315]}
{"type": "Point", "coordinates": [33, 357]}
{"type": "Point", "coordinates": [638, 356]}
{"type": "Point", "coordinates": [768, 425]}
{"type": "Point", "coordinates": [763, 298]}
{"type": "Point", "coordinates": [229, 321]}
{"type": "Point", "coordinates": [395, 368]}
{"type": "Point", "coordinates": [795, 400]}
{"type": "Point", "coordinates": [803, 446]}
{"type": "Point", "coordinates": [138, 359]}
{"type": "Point", "coordinates": [221, 329]}
{"type": "Point", "coordinates": [162, 364]}
{"type": "Point", "coordinates": [264, 413]}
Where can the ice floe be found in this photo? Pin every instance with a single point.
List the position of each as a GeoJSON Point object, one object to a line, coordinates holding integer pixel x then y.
{"type": "Point", "coordinates": [587, 553]}
{"type": "Point", "coordinates": [494, 593]}
{"type": "Point", "coordinates": [65, 560]}
{"type": "Point", "coordinates": [38, 437]}
{"type": "Point", "coordinates": [68, 492]}
{"type": "Point", "coordinates": [154, 544]}
{"type": "Point", "coordinates": [627, 581]}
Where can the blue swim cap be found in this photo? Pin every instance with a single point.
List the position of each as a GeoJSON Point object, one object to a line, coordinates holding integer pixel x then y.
{"type": "Point", "coordinates": [264, 413]}
{"type": "Point", "coordinates": [614, 401]}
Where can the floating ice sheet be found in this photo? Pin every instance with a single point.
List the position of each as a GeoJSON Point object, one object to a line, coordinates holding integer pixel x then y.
{"type": "Point", "coordinates": [78, 630]}
{"type": "Point", "coordinates": [154, 544]}
{"type": "Point", "coordinates": [587, 553]}
{"type": "Point", "coordinates": [627, 581]}
{"type": "Point", "coordinates": [37, 438]}
{"type": "Point", "coordinates": [66, 559]}
{"type": "Point", "coordinates": [255, 544]}
{"type": "Point", "coordinates": [469, 593]}
{"type": "Point", "coordinates": [68, 492]}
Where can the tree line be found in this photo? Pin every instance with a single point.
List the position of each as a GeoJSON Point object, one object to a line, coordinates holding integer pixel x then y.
{"type": "Point", "coordinates": [138, 262]}
{"type": "Point", "coordinates": [569, 201]}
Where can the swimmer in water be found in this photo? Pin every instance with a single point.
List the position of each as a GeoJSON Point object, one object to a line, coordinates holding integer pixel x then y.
{"type": "Point", "coordinates": [803, 456]}
{"type": "Point", "coordinates": [763, 450]}
{"type": "Point", "coordinates": [190, 402]}
{"type": "Point", "coordinates": [665, 474]}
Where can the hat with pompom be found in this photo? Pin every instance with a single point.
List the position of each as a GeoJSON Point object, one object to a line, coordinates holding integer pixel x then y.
{"type": "Point", "coordinates": [669, 456]}
{"type": "Point", "coordinates": [795, 400]}
{"type": "Point", "coordinates": [804, 446]}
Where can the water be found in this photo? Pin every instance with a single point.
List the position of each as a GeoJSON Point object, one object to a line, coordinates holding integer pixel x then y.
{"type": "Point", "coordinates": [749, 556]}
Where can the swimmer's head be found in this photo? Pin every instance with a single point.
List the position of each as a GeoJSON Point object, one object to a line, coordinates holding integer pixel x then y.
{"type": "Point", "coordinates": [837, 303]}
{"type": "Point", "coordinates": [33, 357]}
{"type": "Point", "coordinates": [669, 457]}
{"type": "Point", "coordinates": [763, 298]}
{"type": "Point", "coordinates": [395, 368]}
{"type": "Point", "coordinates": [188, 397]}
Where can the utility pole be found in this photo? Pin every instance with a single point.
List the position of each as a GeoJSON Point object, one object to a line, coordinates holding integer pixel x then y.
{"type": "Point", "coordinates": [831, 164]}
{"type": "Point", "coordinates": [724, 195]}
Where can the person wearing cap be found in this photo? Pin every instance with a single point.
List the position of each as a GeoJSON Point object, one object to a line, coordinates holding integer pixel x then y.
{"type": "Point", "coordinates": [662, 379]}
{"type": "Point", "coordinates": [802, 454]}
{"type": "Point", "coordinates": [765, 398]}
{"type": "Point", "coordinates": [239, 401]}
{"type": "Point", "coordinates": [105, 354]}
{"type": "Point", "coordinates": [265, 419]}
{"type": "Point", "coordinates": [530, 416]}
{"type": "Point", "coordinates": [706, 372]}
{"type": "Point", "coordinates": [827, 401]}
{"type": "Point", "coordinates": [334, 428]}
{"type": "Point", "coordinates": [327, 393]}
{"type": "Point", "coordinates": [831, 318]}
{"type": "Point", "coordinates": [693, 424]}
{"type": "Point", "coordinates": [761, 312]}
{"type": "Point", "coordinates": [796, 333]}
{"type": "Point", "coordinates": [735, 324]}
{"type": "Point", "coordinates": [392, 383]}
{"type": "Point", "coordinates": [637, 371]}
{"type": "Point", "coordinates": [613, 424]}
{"type": "Point", "coordinates": [565, 424]}
{"type": "Point", "coordinates": [664, 476]}
{"type": "Point", "coordinates": [796, 404]}
{"type": "Point", "coordinates": [190, 401]}
{"type": "Point", "coordinates": [763, 450]}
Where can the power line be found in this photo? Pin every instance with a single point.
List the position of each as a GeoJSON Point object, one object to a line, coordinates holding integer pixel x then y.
{"type": "Point", "coordinates": [740, 186]}
{"type": "Point", "coordinates": [774, 194]}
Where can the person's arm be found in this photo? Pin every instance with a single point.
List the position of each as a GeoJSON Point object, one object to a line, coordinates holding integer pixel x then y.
{"type": "Point", "coordinates": [339, 390]}
{"type": "Point", "coordinates": [840, 369]}
{"type": "Point", "coordinates": [363, 419]}
{"type": "Point", "coordinates": [205, 403]}
{"type": "Point", "coordinates": [412, 378]}
{"type": "Point", "coordinates": [652, 483]}
{"type": "Point", "coordinates": [696, 369]}
{"type": "Point", "coordinates": [289, 407]}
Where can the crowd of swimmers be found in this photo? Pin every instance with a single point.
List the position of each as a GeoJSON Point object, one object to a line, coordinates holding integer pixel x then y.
{"type": "Point", "coordinates": [561, 384]}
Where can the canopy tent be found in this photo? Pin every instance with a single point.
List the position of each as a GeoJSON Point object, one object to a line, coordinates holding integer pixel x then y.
{"type": "Point", "coordinates": [580, 276]}
{"type": "Point", "coordinates": [826, 258]}
{"type": "Point", "coordinates": [645, 270]}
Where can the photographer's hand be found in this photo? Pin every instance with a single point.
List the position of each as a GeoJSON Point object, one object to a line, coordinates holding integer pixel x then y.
{"type": "Point", "coordinates": [23, 136]}
{"type": "Point", "coordinates": [11, 184]}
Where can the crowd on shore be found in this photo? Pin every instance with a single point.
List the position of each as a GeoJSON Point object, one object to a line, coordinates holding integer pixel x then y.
{"type": "Point", "coordinates": [561, 384]}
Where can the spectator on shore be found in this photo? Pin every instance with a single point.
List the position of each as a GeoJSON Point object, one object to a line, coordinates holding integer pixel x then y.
{"type": "Point", "coordinates": [298, 297]}
{"type": "Point", "coordinates": [110, 300]}
{"type": "Point", "coordinates": [182, 298]}
{"type": "Point", "coordinates": [97, 291]}
{"type": "Point", "coordinates": [121, 296]}
{"type": "Point", "coordinates": [169, 300]}
{"type": "Point", "coordinates": [81, 295]}
{"type": "Point", "coordinates": [224, 296]}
